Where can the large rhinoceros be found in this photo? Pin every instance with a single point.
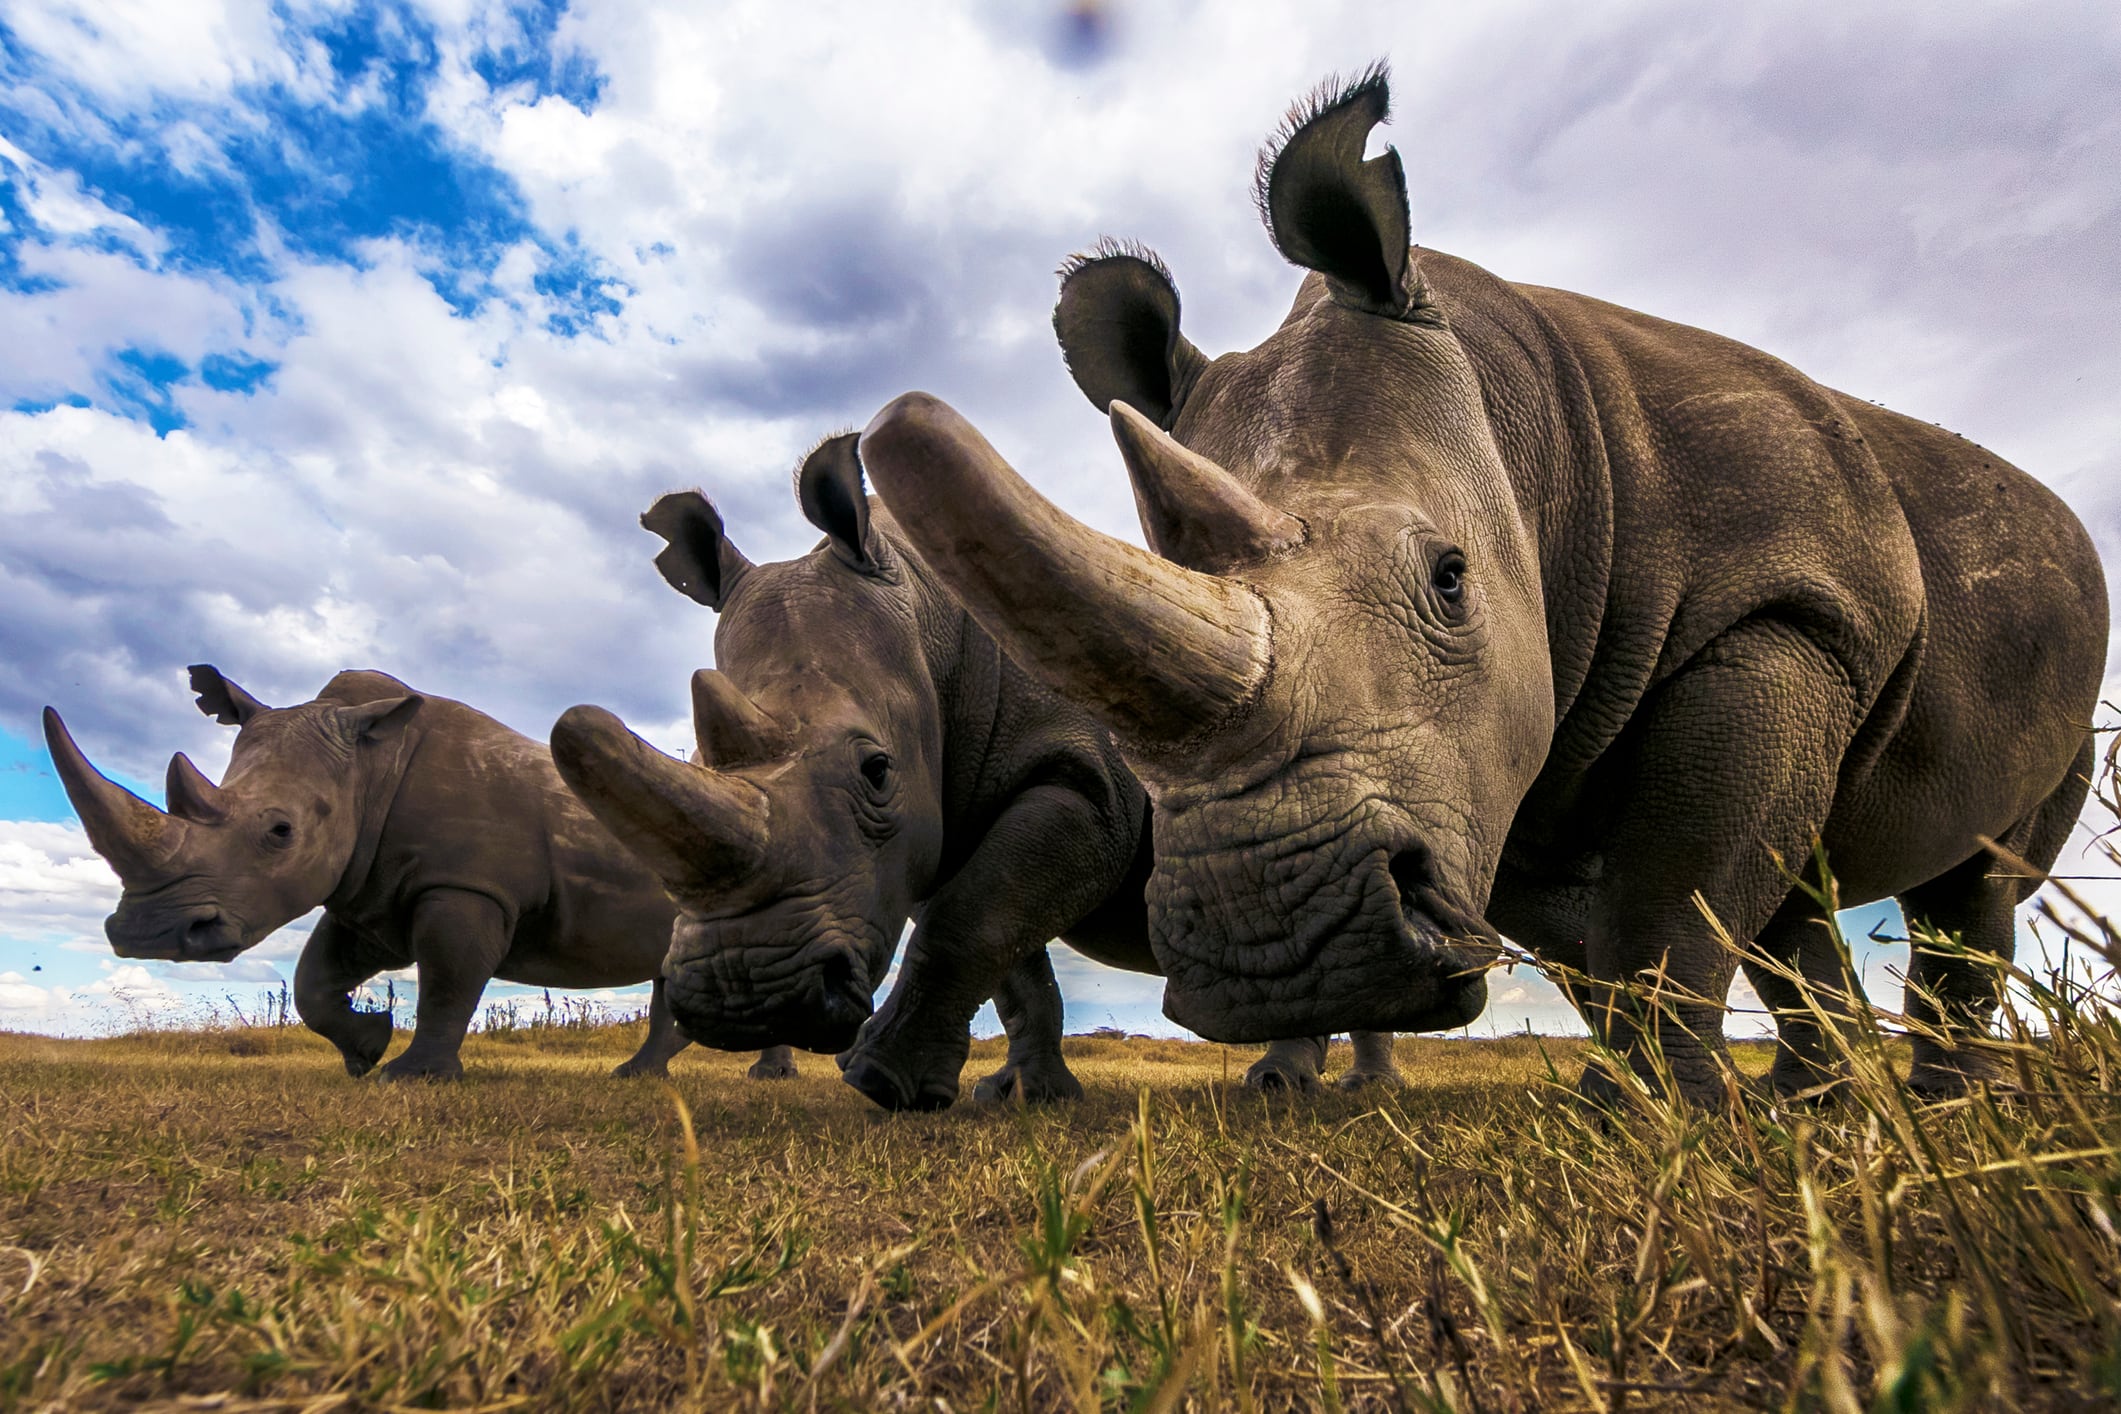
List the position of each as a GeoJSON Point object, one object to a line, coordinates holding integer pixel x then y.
{"type": "Point", "coordinates": [431, 834]}
{"type": "Point", "coordinates": [866, 755]}
{"type": "Point", "coordinates": [1487, 606]}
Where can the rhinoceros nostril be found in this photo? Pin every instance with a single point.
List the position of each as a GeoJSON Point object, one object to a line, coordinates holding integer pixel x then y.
{"type": "Point", "coordinates": [845, 1000]}
{"type": "Point", "coordinates": [203, 934]}
{"type": "Point", "coordinates": [1411, 871]}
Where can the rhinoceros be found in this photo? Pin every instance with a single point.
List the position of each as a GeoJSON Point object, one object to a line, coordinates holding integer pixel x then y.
{"type": "Point", "coordinates": [1480, 607]}
{"type": "Point", "coordinates": [866, 755]}
{"type": "Point", "coordinates": [431, 834]}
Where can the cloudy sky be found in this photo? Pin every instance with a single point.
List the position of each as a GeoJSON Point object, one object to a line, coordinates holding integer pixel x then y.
{"type": "Point", "coordinates": [357, 335]}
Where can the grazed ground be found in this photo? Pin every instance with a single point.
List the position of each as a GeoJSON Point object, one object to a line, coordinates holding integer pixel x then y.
{"type": "Point", "coordinates": [222, 1219]}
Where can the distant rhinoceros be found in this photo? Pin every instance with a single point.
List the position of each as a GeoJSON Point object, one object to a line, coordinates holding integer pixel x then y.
{"type": "Point", "coordinates": [431, 834]}
{"type": "Point", "coordinates": [1487, 604]}
{"type": "Point", "coordinates": [866, 754]}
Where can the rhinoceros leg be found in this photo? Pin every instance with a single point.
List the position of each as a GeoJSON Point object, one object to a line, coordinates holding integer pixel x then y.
{"type": "Point", "coordinates": [1044, 864]}
{"type": "Point", "coordinates": [1294, 1064]}
{"type": "Point", "coordinates": [664, 1039]}
{"type": "Point", "coordinates": [1978, 901]}
{"type": "Point", "coordinates": [1373, 1062]}
{"type": "Point", "coordinates": [333, 963]}
{"type": "Point", "coordinates": [1032, 1012]}
{"type": "Point", "coordinates": [1796, 938]}
{"type": "Point", "coordinates": [458, 939]}
{"type": "Point", "coordinates": [774, 1063]}
{"type": "Point", "coordinates": [1731, 759]}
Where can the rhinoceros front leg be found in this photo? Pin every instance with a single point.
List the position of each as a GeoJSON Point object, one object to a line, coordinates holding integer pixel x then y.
{"type": "Point", "coordinates": [1373, 1062]}
{"type": "Point", "coordinates": [1032, 1012]}
{"type": "Point", "coordinates": [664, 1039]}
{"type": "Point", "coordinates": [458, 939]}
{"type": "Point", "coordinates": [1293, 1064]}
{"type": "Point", "coordinates": [1046, 862]}
{"type": "Point", "coordinates": [333, 963]}
{"type": "Point", "coordinates": [1733, 760]}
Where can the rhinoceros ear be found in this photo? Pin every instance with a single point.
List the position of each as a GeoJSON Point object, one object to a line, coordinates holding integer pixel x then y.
{"type": "Point", "coordinates": [1331, 211]}
{"type": "Point", "coordinates": [221, 699]}
{"type": "Point", "coordinates": [1117, 321]}
{"type": "Point", "coordinates": [373, 721]}
{"type": "Point", "coordinates": [699, 562]}
{"type": "Point", "coordinates": [829, 485]}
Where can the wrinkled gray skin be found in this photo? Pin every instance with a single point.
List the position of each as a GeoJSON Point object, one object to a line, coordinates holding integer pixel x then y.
{"type": "Point", "coordinates": [866, 755]}
{"type": "Point", "coordinates": [1485, 606]}
{"type": "Point", "coordinates": [430, 833]}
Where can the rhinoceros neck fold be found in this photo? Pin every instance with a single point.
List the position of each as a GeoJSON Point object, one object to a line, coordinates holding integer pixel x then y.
{"type": "Point", "coordinates": [380, 769]}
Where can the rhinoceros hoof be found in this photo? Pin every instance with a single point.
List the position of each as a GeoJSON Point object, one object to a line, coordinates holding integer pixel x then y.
{"type": "Point", "coordinates": [886, 1086]}
{"type": "Point", "coordinates": [1367, 1079]}
{"type": "Point", "coordinates": [1273, 1074]}
{"type": "Point", "coordinates": [1939, 1074]}
{"type": "Point", "coordinates": [406, 1067]}
{"type": "Point", "coordinates": [1028, 1084]}
{"type": "Point", "coordinates": [773, 1070]}
{"type": "Point", "coordinates": [629, 1070]}
{"type": "Point", "coordinates": [368, 1038]}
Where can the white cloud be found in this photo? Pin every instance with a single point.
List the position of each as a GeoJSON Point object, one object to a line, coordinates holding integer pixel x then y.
{"type": "Point", "coordinates": [1917, 205]}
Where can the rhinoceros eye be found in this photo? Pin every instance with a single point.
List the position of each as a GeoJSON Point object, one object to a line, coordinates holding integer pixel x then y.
{"type": "Point", "coordinates": [280, 834]}
{"type": "Point", "coordinates": [1449, 577]}
{"type": "Point", "coordinates": [876, 769]}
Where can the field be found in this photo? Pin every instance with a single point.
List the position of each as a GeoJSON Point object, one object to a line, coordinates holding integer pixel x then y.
{"type": "Point", "coordinates": [220, 1219]}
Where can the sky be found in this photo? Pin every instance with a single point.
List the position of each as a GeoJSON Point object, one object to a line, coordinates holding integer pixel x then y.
{"type": "Point", "coordinates": [357, 335]}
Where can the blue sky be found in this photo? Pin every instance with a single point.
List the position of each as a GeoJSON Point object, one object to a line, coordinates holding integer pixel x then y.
{"type": "Point", "coordinates": [340, 334]}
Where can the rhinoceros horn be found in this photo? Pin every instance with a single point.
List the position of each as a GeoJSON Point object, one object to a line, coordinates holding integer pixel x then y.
{"type": "Point", "coordinates": [191, 796]}
{"type": "Point", "coordinates": [695, 827]}
{"type": "Point", "coordinates": [1161, 653]}
{"type": "Point", "coordinates": [731, 729]}
{"type": "Point", "coordinates": [131, 834]}
{"type": "Point", "coordinates": [1192, 511]}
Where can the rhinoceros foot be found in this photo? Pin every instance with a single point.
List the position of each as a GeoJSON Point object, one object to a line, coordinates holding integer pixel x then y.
{"type": "Point", "coordinates": [366, 1036]}
{"type": "Point", "coordinates": [411, 1067]}
{"type": "Point", "coordinates": [1288, 1068]}
{"type": "Point", "coordinates": [1388, 1078]}
{"type": "Point", "coordinates": [1950, 1073]}
{"type": "Point", "coordinates": [1035, 1082]}
{"type": "Point", "coordinates": [776, 1063]}
{"type": "Point", "coordinates": [893, 1089]}
{"type": "Point", "coordinates": [638, 1068]}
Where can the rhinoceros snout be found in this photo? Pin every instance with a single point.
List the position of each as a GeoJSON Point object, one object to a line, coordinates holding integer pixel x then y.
{"type": "Point", "coordinates": [820, 1007]}
{"type": "Point", "coordinates": [203, 934]}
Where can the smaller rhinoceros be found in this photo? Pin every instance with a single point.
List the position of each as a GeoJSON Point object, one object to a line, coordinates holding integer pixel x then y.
{"type": "Point", "coordinates": [431, 834]}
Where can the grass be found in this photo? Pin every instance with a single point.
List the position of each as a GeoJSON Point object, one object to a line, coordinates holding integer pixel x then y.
{"type": "Point", "coordinates": [219, 1218]}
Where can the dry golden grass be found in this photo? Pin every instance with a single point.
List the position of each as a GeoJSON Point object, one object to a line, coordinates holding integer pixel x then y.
{"type": "Point", "coordinates": [220, 1219]}
{"type": "Point", "coordinates": [223, 1219]}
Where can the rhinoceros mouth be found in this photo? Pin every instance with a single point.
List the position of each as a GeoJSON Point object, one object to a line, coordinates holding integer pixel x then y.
{"type": "Point", "coordinates": [201, 934]}
{"type": "Point", "coordinates": [814, 996]}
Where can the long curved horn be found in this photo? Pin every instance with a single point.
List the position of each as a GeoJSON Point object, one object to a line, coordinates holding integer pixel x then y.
{"type": "Point", "coordinates": [190, 795]}
{"type": "Point", "coordinates": [696, 828]}
{"type": "Point", "coordinates": [1159, 652]}
{"type": "Point", "coordinates": [128, 832]}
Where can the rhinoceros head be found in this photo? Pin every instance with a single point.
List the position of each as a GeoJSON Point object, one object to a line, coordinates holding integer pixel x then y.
{"type": "Point", "coordinates": [227, 864]}
{"type": "Point", "coordinates": [797, 840]}
{"type": "Point", "coordinates": [1332, 675]}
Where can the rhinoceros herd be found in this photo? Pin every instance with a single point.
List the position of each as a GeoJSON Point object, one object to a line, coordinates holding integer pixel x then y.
{"type": "Point", "coordinates": [1470, 609]}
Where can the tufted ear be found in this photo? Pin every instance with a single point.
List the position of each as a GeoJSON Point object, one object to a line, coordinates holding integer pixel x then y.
{"type": "Point", "coordinates": [829, 485]}
{"type": "Point", "coordinates": [221, 699]}
{"type": "Point", "coordinates": [373, 721]}
{"type": "Point", "coordinates": [699, 562]}
{"type": "Point", "coordinates": [1331, 211]}
{"type": "Point", "coordinates": [1117, 321]}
